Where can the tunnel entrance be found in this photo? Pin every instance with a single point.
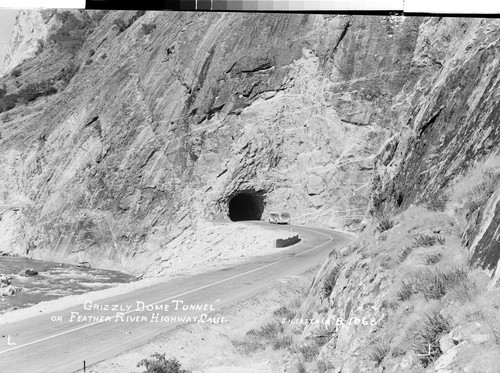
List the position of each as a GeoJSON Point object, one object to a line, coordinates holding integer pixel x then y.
{"type": "Point", "coordinates": [246, 206]}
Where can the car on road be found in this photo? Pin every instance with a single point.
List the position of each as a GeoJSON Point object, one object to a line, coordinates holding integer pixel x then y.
{"type": "Point", "coordinates": [279, 218]}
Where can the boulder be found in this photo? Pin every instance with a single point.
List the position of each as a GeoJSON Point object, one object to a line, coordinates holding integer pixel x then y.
{"type": "Point", "coordinates": [10, 290]}
{"type": "Point", "coordinates": [447, 343]}
{"type": "Point", "coordinates": [28, 272]}
{"type": "Point", "coordinates": [473, 332]}
{"type": "Point", "coordinates": [446, 361]}
{"type": "Point", "coordinates": [5, 281]}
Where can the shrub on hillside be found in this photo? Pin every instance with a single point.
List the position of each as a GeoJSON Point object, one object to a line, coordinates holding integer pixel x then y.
{"type": "Point", "coordinates": [405, 252]}
{"type": "Point", "coordinates": [123, 24]}
{"type": "Point", "coordinates": [405, 291]}
{"type": "Point", "coordinates": [437, 202]}
{"type": "Point", "coordinates": [379, 351]}
{"type": "Point", "coordinates": [282, 342]}
{"type": "Point", "coordinates": [28, 93]}
{"type": "Point", "coordinates": [384, 222]}
{"type": "Point", "coordinates": [39, 47]}
{"type": "Point", "coordinates": [433, 258]}
{"type": "Point", "coordinates": [309, 350]}
{"type": "Point", "coordinates": [32, 91]}
{"type": "Point", "coordinates": [120, 24]}
{"type": "Point", "coordinates": [8, 102]}
{"type": "Point", "coordinates": [425, 240]}
{"type": "Point", "coordinates": [284, 313]}
{"type": "Point", "coordinates": [268, 331]}
{"type": "Point", "coordinates": [426, 339]}
{"type": "Point", "coordinates": [433, 284]}
{"type": "Point", "coordinates": [478, 195]}
{"type": "Point", "coordinates": [271, 333]}
{"type": "Point", "coordinates": [15, 73]}
{"type": "Point", "coordinates": [74, 29]}
{"type": "Point", "coordinates": [67, 73]}
{"type": "Point", "coordinates": [464, 291]}
{"type": "Point", "coordinates": [324, 366]}
{"type": "Point", "coordinates": [301, 368]}
{"type": "Point", "coordinates": [329, 282]}
{"type": "Point", "coordinates": [159, 364]}
{"type": "Point", "coordinates": [148, 28]}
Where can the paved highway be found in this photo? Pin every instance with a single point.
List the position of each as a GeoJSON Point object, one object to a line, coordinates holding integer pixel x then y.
{"type": "Point", "coordinates": [92, 332]}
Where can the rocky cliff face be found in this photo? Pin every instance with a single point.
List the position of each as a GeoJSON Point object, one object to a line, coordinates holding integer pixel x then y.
{"type": "Point", "coordinates": [406, 292]}
{"type": "Point", "coordinates": [30, 28]}
{"type": "Point", "coordinates": [126, 128]}
{"type": "Point", "coordinates": [451, 128]}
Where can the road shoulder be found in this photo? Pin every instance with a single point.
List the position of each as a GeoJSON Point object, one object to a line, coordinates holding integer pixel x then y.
{"type": "Point", "coordinates": [230, 347]}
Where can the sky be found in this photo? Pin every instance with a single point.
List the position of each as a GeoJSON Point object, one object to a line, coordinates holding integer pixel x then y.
{"type": "Point", "coordinates": [7, 19]}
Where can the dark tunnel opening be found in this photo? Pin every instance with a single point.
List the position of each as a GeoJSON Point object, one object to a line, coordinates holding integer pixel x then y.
{"type": "Point", "coordinates": [246, 206]}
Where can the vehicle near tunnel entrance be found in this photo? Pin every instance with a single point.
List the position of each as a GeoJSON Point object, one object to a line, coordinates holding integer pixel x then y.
{"type": "Point", "coordinates": [277, 218]}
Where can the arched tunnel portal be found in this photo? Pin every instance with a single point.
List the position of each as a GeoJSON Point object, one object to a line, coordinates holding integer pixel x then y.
{"type": "Point", "coordinates": [247, 205]}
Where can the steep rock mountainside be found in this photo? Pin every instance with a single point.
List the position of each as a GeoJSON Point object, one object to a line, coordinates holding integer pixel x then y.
{"type": "Point", "coordinates": [452, 127]}
{"type": "Point", "coordinates": [418, 290]}
{"type": "Point", "coordinates": [126, 128]}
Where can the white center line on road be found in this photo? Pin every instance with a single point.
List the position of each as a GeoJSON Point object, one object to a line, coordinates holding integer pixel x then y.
{"type": "Point", "coordinates": [175, 296]}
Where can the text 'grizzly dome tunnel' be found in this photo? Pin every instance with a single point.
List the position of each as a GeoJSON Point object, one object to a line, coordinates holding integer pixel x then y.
{"type": "Point", "coordinates": [246, 206]}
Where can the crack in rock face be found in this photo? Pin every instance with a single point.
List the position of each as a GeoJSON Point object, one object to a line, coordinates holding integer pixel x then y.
{"type": "Point", "coordinates": [246, 206]}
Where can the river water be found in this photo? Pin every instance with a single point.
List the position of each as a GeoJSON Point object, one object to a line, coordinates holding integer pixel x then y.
{"type": "Point", "coordinates": [54, 280]}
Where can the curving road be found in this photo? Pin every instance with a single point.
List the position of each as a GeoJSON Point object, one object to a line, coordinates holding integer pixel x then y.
{"type": "Point", "coordinates": [121, 322]}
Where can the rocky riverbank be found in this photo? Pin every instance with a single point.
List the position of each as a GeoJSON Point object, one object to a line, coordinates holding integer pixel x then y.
{"type": "Point", "coordinates": [6, 286]}
{"type": "Point", "coordinates": [26, 282]}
